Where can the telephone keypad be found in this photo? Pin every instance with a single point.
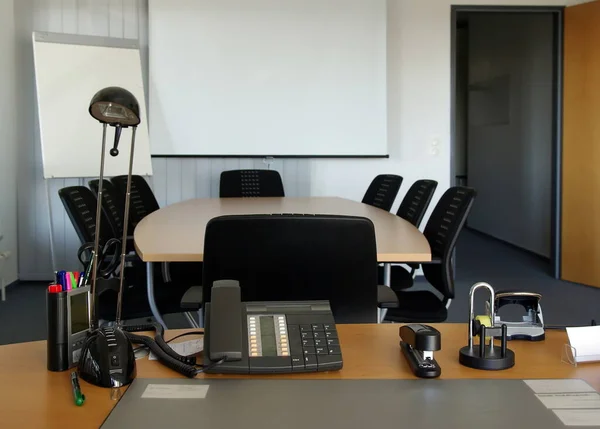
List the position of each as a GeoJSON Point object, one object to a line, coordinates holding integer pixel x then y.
{"type": "Point", "coordinates": [314, 347]}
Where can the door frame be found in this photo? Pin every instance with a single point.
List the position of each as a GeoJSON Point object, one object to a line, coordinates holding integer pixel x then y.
{"type": "Point", "coordinates": [557, 110]}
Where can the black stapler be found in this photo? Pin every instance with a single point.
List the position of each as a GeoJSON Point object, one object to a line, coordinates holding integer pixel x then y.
{"type": "Point", "coordinates": [418, 342]}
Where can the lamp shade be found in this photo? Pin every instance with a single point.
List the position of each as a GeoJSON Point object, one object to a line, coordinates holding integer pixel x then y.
{"type": "Point", "coordinates": [115, 106]}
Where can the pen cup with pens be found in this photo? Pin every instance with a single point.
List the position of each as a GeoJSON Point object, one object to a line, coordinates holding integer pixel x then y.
{"type": "Point", "coordinates": [67, 319]}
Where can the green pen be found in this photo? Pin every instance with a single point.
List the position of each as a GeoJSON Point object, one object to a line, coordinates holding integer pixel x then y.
{"type": "Point", "coordinates": [73, 281]}
{"type": "Point", "coordinates": [78, 397]}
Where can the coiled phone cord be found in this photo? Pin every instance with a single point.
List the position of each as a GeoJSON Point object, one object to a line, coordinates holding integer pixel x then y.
{"type": "Point", "coordinates": [175, 364]}
{"type": "Point", "coordinates": [189, 360]}
{"type": "Point", "coordinates": [185, 365]}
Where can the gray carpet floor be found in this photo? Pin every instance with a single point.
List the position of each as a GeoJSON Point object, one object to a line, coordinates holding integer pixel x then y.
{"type": "Point", "coordinates": [478, 258]}
{"type": "Point", "coordinates": [504, 267]}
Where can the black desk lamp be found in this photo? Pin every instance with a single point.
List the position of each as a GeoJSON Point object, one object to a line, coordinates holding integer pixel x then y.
{"type": "Point", "coordinates": [107, 358]}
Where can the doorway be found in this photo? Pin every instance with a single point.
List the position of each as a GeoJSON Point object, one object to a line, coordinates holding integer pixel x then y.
{"type": "Point", "coordinates": [506, 116]}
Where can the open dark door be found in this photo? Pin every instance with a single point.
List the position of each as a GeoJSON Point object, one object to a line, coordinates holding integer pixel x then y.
{"type": "Point", "coordinates": [580, 248]}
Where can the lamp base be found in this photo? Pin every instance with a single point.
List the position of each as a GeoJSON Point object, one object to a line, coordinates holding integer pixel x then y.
{"type": "Point", "coordinates": [107, 358]}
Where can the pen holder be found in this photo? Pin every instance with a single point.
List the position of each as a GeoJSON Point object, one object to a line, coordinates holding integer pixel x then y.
{"type": "Point", "coordinates": [56, 322]}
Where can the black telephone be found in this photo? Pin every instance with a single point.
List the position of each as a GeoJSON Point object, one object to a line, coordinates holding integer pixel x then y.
{"type": "Point", "coordinates": [267, 337]}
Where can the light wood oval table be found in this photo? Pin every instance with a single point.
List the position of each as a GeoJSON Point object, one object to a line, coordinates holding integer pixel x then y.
{"type": "Point", "coordinates": [175, 233]}
{"type": "Point", "coordinates": [32, 397]}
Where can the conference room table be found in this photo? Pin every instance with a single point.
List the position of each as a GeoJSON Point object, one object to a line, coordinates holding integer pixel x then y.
{"type": "Point", "coordinates": [175, 233]}
{"type": "Point", "coordinates": [32, 397]}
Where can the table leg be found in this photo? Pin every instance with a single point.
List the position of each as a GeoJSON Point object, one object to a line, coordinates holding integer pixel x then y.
{"type": "Point", "coordinates": [387, 274]}
{"type": "Point", "coordinates": [387, 281]}
{"type": "Point", "coordinates": [151, 301]}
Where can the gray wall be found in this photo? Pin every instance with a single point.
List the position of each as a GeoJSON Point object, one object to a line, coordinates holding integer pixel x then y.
{"type": "Point", "coordinates": [8, 144]}
{"type": "Point", "coordinates": [510, 127]}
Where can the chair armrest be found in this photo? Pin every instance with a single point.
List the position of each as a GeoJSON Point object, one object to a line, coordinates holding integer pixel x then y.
{"type": "Point", "coordinates": [414, 266]}
{"type": "Point", "coordinates": [132, 257]}
{"type": "Point", "coordinates": [386, 297]}
{"type": "Point", "coordinates": [192, 298]}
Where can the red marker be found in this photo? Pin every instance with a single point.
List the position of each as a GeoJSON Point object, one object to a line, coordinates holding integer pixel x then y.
{"type": "Point", "coordinates": [54, 288]}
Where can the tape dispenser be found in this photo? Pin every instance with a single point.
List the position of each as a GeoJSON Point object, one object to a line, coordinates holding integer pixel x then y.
{"type": "Point", "coordinates": [486, 355]}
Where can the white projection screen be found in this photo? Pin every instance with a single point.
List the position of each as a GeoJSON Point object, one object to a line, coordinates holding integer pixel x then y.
{"type": "Point", "coordinates": [268, 77]}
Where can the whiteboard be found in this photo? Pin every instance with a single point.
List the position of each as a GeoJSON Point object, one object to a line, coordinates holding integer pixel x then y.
{"type": "Point", "coordinates": [268, 77]}
{"type": "Point", "coordinates": [69, 70]}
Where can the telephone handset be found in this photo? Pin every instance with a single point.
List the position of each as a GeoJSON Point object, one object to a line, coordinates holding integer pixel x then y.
{"type": "Point", "coordinates": [268, 337]}
{"type": "Point", "coordinates": [226, 320]}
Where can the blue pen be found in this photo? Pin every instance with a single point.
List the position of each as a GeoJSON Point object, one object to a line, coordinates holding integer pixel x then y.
{"type": "Point", "coordinates": [63, 280]}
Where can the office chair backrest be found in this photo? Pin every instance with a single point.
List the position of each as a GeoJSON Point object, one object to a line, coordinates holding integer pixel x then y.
{"type": "Point", "coordinates": [142, 199]}
{"type": "Point", "coordinates": [80, 204]}
{"type": "Point", "coordinates": [112, 205]}
{"type": "Point", "coordinates": [382, 191]}
{"type": "Point", "coordinates": [442, 231]}
{"type": "Point", "coordinates": [296, 257]}
{"type": "Point", "coordinates": [416, 201]}
{"type": "Point", "coordinates": [250, 183]}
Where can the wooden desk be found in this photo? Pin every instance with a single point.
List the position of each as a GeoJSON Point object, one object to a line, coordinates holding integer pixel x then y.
{"type": "Point", "coordinates": [176, 233]}
{"type": "Point", "coordinates": [32, 397]}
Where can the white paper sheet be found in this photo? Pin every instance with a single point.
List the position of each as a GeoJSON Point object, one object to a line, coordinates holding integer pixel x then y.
{"type": "Point", "coordinates": [570, 400]}
{"type": "Point", "coordinates": [586, 342]}
{"type": "Point", "coordinates": [559, 386]}
{"type": "Point", "coordinates": [579, 417]}
{"type": "Point", "coordinates": [175, 391]}
{"type": "Point", "coordinates": [185, 348]}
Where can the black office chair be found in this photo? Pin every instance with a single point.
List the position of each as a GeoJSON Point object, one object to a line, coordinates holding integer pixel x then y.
{"type": "Point", "coordinates": [382, 191]}
{"type": "Point", "coordinates": [296, 257]}
{"type": "Point", "coordinates": [416, 201]}
{"type": "Point", "coordinates": [142, 199]}
{"type": "Point", "coordinates": [114, 208]}
{"type": "Point", "coordinates": [412, 209]}
{"type": "Point", "coordinates": [142, 203]}
{"type": "Point", "coordinates": [80, 204]}
{"type": "Point", "coordinates": [250, 183]}
{"type": "Point", "coordinates": [442, 231]}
